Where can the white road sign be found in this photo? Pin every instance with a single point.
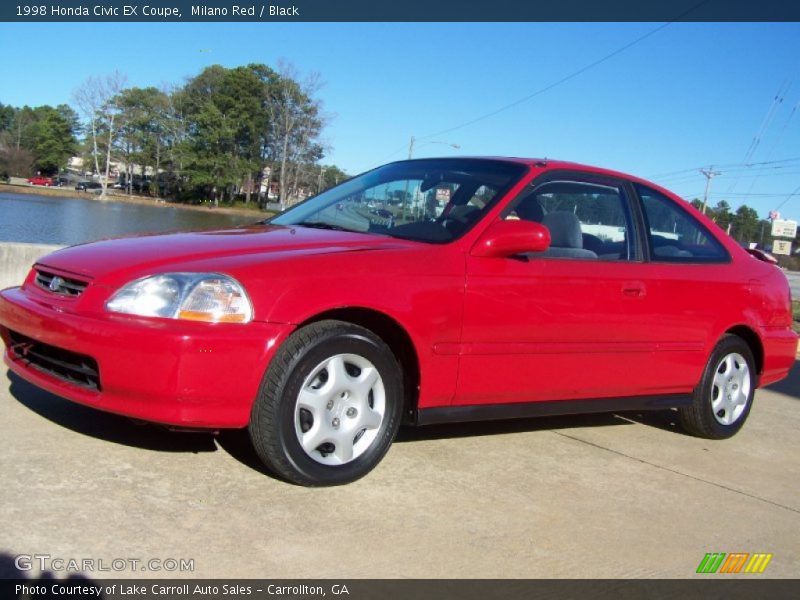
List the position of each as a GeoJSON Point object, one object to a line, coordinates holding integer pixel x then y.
{"type": "Point", "coordinates": [782, 247]}
{"type": "Point", "coordinates": [787, 229]}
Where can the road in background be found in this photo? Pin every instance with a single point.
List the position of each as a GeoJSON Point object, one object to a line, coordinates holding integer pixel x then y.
{"type": "Point", "coordinates": [794, 282]}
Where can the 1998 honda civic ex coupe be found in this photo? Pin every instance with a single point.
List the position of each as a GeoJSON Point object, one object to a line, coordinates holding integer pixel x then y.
{"type": "Point", "coordinates": [423, 291]}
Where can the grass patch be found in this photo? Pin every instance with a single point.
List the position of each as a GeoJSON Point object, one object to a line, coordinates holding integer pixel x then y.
{"type": "Point", "coordinates": [796, 315]}
{"type": "Point", "coordinates": [240, 205]}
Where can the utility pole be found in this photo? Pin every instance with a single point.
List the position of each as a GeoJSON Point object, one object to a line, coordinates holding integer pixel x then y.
{"type": "Point", "coordinates": [405, 194]}
{"type": "Point", "coordinates": [319, 180]}
{"type": "Point", "coordinates": [709, 173]}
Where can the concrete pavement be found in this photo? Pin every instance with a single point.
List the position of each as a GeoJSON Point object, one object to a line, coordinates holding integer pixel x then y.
{"type": "Point", "coordinates": [590, 496]}
{"type": "Point", "coordinates": [17, 259]}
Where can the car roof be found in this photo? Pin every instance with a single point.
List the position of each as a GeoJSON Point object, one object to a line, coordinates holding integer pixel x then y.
{"type": "Point", "coordinates": [542, 163]}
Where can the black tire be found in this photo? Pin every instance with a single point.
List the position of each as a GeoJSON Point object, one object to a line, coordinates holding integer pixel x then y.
{"type": "Point", "coordinates": [731, 359]}
{"type": "Point", "coordinates": [277, 420]}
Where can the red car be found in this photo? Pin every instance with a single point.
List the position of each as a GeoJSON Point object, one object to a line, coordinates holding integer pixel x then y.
{"type": "Point", "coordinates": [38, 180]}
{"type": "Point", "coordinates": [540, 288]}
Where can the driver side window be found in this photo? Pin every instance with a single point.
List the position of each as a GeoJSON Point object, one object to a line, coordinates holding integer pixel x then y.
{"type": "Point", "coordinates": [587, 221]}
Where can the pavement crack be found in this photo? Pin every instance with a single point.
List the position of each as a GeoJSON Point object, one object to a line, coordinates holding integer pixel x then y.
{"type": "Point", "coordinates": [676, 472]}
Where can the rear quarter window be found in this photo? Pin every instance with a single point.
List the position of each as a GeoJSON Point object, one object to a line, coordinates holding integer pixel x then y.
{"type": "Point", "coordinates": [673, 235]}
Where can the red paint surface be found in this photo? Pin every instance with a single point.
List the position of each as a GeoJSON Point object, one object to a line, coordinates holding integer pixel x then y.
{"type": "Point", "coordinates": [485, 328]}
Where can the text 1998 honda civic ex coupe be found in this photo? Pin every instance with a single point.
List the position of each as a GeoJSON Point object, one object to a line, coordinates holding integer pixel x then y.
{"type": "Point", "coordinates": [423, 291]}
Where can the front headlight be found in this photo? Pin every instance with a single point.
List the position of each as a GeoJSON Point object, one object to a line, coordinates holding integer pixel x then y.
{"type": "Point", "coordinates": [209, 297]}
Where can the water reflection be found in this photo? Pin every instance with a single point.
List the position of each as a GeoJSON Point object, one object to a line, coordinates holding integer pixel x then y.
{"type": "Point", "coordinates": [67, 221]}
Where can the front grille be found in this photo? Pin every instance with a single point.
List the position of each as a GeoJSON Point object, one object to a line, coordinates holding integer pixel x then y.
{"type": "Point", "coordinates": [66, 286]}
{"type": "Point", "coordinates": [71, 367]}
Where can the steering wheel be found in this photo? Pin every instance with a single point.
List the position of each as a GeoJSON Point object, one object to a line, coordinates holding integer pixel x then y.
{"type": "Point", "coordinates": [457, 220]}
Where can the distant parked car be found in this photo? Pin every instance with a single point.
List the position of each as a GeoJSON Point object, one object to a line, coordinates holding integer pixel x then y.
{"type": "Point", "coordinates": [85, 186]}
{"type": "Point", "coordinates": [60, 181]}
{"type": "Point", "coordinates": [38, 180]}
{"type": "Point", "coordinates": [382, 212]}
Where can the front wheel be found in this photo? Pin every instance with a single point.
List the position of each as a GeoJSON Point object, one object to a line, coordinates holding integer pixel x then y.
{"type": "Point", "coordinates": [723, 399]}
{"type": "Point", "coordinates": [329, 406]}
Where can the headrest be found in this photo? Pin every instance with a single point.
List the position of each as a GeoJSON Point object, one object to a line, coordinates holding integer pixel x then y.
{"type": "Point", "coordinates": [565, 229]}
{"type": "Point", "coordinates": [530, 209]}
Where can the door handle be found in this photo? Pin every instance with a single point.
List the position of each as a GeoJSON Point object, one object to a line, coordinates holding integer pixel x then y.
{"type": "Point", "coordinates": [634, 289]}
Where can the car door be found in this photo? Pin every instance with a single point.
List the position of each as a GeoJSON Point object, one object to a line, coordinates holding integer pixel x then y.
{"type": "Point", "coordinates": [573, 322]}
{"type": "Point", "coordinates": [691, 277]}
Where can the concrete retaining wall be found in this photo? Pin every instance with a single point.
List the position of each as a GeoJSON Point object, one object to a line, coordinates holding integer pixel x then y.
{"type": "Point", "coordinates": [16, 260]}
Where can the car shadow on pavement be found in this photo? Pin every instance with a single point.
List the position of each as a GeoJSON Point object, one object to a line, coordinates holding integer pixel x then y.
{"type": "Point", "coordinates": [236, 442]}
{"type": "Point", "coordinates": [666, 419]}
{"type": "Point", "coordinates": [791, 385]}
{"type": "Point", "coordinates": [481, 428]}
{"type": "Point", "coordinates": [105, 426]}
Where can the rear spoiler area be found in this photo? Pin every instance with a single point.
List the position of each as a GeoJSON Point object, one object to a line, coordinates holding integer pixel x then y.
{"type": "Point", "coordinates": [763, 256]}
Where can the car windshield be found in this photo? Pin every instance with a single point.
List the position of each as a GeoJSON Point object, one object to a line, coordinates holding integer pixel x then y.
{"type": "Point", "coordinates": [430, 200]}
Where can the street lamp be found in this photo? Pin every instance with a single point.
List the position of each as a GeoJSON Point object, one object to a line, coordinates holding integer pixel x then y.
{"type": "Point", "coordinates": [413, 140]}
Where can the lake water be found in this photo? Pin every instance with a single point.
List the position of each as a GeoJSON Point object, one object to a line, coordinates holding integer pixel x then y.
{"type": "Point", "coordinates": [67, 221]}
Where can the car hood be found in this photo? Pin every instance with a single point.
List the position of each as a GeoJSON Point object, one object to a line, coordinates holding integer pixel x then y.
{"type": "Point", "coordinates": [154, 253]}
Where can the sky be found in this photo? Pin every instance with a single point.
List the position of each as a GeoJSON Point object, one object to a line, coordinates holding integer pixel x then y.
{"type": "Point", "coordinates": [656, 100]}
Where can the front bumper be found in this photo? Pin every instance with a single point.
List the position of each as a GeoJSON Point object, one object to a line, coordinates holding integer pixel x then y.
{"type": "Point", "coordinates": [165, 371]}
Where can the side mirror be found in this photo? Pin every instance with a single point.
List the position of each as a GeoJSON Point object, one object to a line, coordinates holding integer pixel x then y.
{"type": "Point", "coordinates": [507, 238]}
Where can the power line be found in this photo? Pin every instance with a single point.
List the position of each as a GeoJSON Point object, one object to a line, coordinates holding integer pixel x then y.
{"type": "Point", "coordinates": [675, 180]}
{"type": "Point", "coordinates": [756, 194]}
{"type": "Point", "coordinates": [568, 77]}
{"type": "Point", "coordinates": [777, 100]}
{"type": "Point", "coordinates": [778, 139]}
{"type": "Point", "coordinates": [549, 87]}
{"type": "Point", "coordinates": [789, 197]}
{"type": "Point", "coordinates": [686, 179]}
{"type": "Point", "coordinates": [391, 154]}
{"type": "Point", "coordinates": [728, 167]}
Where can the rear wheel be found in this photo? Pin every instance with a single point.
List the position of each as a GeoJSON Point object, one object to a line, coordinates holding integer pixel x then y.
{"type": "Point", "coordinates": [723, 399]}
{"type": "Point", "coordinates": [329, 406]}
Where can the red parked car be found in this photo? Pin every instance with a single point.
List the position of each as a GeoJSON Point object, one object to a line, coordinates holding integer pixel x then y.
{"type": "Point", "coordinates": [38, 180]}
{"type": "Point", "coordinates": [503, 288]}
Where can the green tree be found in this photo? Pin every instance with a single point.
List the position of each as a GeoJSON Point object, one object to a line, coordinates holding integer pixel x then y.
{"type": "Point", "coordinates": [142, 133]}
{"type": "Point", "coordinates": [227, 118]}
{"type": "Point", "coordinates": [51, 137]}
{"type": "Point", "coordinates": [722, 215]}
{"type": "Point", "coordinates": [331, 175]}
{"type": "Point", "coordinates": [745, 224]}
{"type": "Point", "coordinates": [296, 125]}
{"type": "Point", "coordinates": [6, 116]}
{"type": "Point", "coordinates": [36, 139]}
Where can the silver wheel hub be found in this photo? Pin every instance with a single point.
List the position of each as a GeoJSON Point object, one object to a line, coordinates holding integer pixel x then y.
{"type": "Point", "coordinates": [340, 409]}
{"type": "Point", "coordinates": [730, 390]}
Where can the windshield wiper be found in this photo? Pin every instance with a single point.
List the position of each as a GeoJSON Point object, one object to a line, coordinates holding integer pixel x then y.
{"type": "Point", "coordinates": [322, 225]}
